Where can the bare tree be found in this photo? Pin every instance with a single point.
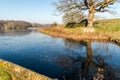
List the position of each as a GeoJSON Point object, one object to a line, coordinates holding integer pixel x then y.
{"type": "Point", "coordinates": [73, 16]}
{"type": "Point", "coordinates": [92, 6]}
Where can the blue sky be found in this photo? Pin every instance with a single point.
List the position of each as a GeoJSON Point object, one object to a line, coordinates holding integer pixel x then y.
{"type": "Point", "coordinates": [40, 11]}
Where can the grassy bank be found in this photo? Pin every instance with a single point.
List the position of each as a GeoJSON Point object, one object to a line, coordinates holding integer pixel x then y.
{"type": "Point", "coordinates": [10, 71]}
{"type": "Point", "coordinates": [110, 27]}
{"type": "Point", "coordinates": [104, 30]}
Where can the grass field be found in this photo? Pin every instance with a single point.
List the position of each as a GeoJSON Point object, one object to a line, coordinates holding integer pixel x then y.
{"type": "Point", "coordinates": [108, 29]}
{"type": "Point", "coordinates": [107, 26]}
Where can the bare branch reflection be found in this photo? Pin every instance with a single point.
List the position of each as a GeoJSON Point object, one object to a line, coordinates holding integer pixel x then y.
{"type": "Point", "coordinates": [86, 68]}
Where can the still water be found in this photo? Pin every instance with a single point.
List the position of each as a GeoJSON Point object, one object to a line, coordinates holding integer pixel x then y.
{"type": "Point", "coordinates": [61, 58]}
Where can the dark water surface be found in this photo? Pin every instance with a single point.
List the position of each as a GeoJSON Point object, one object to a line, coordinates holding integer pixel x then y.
{"type": "Point", "coordinates": [61, 58]}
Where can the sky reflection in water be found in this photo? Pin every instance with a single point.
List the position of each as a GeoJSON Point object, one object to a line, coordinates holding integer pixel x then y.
{"type": "Point", "coordinates": [60, 58]}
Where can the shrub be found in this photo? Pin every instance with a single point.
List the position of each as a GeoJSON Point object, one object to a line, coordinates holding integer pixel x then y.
{"type": "Point", "coordinates": [70, 24]}
{"type": "Point", "coordinates": [54, 24]}
{"type": "Point", "coordinates": [83, 22]}
{"type": "Point", "coordinates": [76, 25]}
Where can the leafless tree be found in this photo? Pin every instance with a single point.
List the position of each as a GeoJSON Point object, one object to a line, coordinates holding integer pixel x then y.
{"type": "Point", "coordinates": [73, 16]}
{"type": "Point", "coordinates": [14, 24]}
{"type": "Point", "coordinates": [92, 6]}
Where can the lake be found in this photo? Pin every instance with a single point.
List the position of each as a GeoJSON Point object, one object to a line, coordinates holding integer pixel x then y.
{"type": "Point", "coordinates": [61, 58]}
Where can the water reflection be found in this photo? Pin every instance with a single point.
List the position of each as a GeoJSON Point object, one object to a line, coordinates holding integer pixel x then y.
{"type": "Point", "coordinates": [61, 58]}
{"type": "Point", "coordinates": [86, 68]}
{"type": "Point", "coordinates": [13, 32]}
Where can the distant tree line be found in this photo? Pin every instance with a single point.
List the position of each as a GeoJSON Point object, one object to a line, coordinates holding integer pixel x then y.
{"type": "Point", "coordinates": [17, 24]}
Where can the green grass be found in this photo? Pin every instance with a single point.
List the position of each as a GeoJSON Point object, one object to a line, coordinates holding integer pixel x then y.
{"type": "Point", "coordinates": [4, 75]}
{"type": "Point", "coordinates": [10, 71]}
{"type": "Point", "coordinates": [108, 27]}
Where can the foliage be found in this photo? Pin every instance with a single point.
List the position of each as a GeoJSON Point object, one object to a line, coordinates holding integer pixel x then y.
{"type": "Point", "coordinates": [76, 25]}
{"type": "Point", "coordinates": [82, 23]}
{"type": "Point", "coordinates": [70, 24]}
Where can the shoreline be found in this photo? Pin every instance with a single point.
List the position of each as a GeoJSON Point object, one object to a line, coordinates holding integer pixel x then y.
{"type": "Point", "coordinates": [56, 32]}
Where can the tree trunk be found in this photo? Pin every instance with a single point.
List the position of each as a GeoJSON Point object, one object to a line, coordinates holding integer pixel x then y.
{"type": "Point", "coordinates": [90, 19]}
{"type": "Point", "coordinates": [90, 22]}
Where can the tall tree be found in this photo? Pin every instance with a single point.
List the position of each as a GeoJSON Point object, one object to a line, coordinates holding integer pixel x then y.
{"type": "Point", "coordinates": [92, 6]}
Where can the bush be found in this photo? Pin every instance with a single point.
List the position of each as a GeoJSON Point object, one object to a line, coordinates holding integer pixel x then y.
{"type": "Point", "coordinates": [54, 24]}
{"type": "Point", "coordinates": [83, 22]}
{"type": "Point", "coordinates": [76, 25]}
{"type": "Point", "coordinates": [70, 24]}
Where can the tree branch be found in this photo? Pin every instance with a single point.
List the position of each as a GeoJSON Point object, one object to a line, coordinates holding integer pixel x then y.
{"type": "Point", "coordinates": [102, 5]}
{"type": "Point", "coordinates": [86, 4]}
